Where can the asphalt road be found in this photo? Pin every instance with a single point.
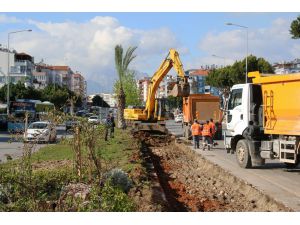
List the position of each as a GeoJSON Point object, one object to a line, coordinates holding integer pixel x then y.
{"type": "Point", "coordinates": [273, 179]}
{"type": "Point", "coordinates": [12, 145]}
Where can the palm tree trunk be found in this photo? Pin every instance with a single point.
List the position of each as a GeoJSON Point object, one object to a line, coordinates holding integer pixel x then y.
{"type": "Point", "coordinates": [121, 107]}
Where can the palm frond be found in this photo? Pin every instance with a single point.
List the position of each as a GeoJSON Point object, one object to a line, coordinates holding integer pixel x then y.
{"type": "Point", "coordinates": [128, 57]}
{"type": "Point", "coordinates": [119, 63]}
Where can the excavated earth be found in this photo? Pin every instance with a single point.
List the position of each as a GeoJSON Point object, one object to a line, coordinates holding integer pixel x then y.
{"type": "Point", "coordinates": [185, 181]}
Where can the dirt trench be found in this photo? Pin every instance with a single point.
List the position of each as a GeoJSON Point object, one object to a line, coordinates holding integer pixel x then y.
{"type": "Point", "coordinates": [191, 183]}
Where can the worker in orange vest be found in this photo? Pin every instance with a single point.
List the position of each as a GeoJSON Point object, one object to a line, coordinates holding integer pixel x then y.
{"type": "Point", "coordinates": [213, 130]}
{"type": "Point", "coordinates": [196, 132]}
{"type": "Point", "coordinates": [207, 135]}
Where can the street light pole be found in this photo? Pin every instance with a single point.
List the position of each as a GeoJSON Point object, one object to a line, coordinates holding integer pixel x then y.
{"type": "Point", "coordinates": [237, 25]}
{"type": "Point", "coordinates": [220, 58]}
{"type": "Point", "coordinates": [246, 81]}
{"type": "Point", "coordinates": [8, 65]}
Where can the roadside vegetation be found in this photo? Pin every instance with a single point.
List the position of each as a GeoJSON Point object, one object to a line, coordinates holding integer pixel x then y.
{"type": "Point", "coordinates": [225, 78]}
{"type": "Point", "coordinates": [83, 173]}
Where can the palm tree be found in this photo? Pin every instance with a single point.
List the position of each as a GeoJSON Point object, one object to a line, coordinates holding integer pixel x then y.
{"type": "Point", "coordinates": [122, 64]}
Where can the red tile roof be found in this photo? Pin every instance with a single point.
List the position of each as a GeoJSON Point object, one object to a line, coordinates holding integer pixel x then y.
{"type": "Point", "coordinates": [65, 68]}
{"type": "Point", "coordinates": [199, 73]}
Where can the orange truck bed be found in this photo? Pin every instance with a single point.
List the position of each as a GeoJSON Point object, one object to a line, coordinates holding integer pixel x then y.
{"type": "Point", "coordinates": [281, 97]}
{"type": "Point", "coordinates": [201, 107]}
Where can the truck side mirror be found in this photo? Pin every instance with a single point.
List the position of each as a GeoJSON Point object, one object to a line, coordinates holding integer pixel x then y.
{"type": "Point", "coordinates": [221, 105]}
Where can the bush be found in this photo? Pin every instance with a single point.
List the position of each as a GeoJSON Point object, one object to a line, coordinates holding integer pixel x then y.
{"type": "Point", "coordinates": [113, 199]}
{"type": "Point", "coordinates": [119, 178]}
{"type": "Point", "coordinates": [16, 194]}
{"type": "Point", "coordinates": [48, 184]}
{"type": "Point", "coordinates": [106, 198]}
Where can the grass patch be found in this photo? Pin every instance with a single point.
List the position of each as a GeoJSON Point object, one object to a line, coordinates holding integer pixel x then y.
{"type": "Point", "coordinates": [53, 152]}
{"type": "Point", "coordinates": [119, 149]}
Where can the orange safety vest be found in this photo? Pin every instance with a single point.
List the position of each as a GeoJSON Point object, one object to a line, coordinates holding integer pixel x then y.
{"type": "Point", "coordinates": [213, 127]}
{"type": "Point", "coordinates": [206, 130]}
{"type": "Point", "coordinates": [196, 129]}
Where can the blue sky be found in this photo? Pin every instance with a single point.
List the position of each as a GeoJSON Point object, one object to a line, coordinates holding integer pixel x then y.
{"type": "Point", "coordinates": [86, 41]}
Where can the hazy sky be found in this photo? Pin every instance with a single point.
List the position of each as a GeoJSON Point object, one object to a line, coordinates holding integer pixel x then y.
{"type": "Point", "coordinates": [86, 41]}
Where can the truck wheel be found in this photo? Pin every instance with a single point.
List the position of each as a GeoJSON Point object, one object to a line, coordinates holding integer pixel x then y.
{"type": "Point", "coordinates": [243, 154]}
{"type": "Point", "coordinates": [292, 165]}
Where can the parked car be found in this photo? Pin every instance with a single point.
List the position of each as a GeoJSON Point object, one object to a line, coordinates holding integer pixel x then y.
{"type": "Point", "coordinates": [81, 113]}
{"type": "Point", "coordinates": [70, 124]}
{"type": "Point", "coordinates": [42, 131]}
{"type": "Point", "coordinates": [88, 115]}
{"type": "Point", "coordinates": [94, 119]}
{"type": "Point", "coordinates": [179, 118]}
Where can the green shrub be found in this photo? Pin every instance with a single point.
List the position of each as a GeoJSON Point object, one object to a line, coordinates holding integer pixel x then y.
{"type": "Point", "coordinates": [17, 194]}
{"type": "Point", "coordinates": [113, 199]}
{"type": "Point", "coordinates": [48, 184]}
{"type": "Point", "coordinates": [119, 178]}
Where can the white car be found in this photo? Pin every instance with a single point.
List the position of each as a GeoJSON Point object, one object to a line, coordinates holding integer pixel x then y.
{"type": "Point", "coordinates": [179, 118]}
{"type": "Point", "coordinates": [42, 131]}
{"type": "Point", "coordinates": [94, 119]}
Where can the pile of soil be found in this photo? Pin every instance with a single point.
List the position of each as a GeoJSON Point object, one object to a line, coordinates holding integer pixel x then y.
{"type": "Point", "coordinates": [146, 192]}
{"type": "Point", "coordinates": [51, 164]}
{"type": "Point", "coordinates": [191, 183]}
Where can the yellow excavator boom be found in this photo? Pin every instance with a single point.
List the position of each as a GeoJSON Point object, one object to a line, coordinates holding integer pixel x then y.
{"type": "Point", "coordinates": [180, 90]}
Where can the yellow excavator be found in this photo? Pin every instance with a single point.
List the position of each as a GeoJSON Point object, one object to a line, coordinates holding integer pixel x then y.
{"type": "Point", "coordinates": [152, 116]}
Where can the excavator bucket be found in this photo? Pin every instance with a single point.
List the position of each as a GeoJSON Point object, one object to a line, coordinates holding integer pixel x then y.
{"type": "Point", "coordinates": [182, 89]}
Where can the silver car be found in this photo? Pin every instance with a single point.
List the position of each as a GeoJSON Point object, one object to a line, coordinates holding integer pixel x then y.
{"type": "Point", "coordinates": [94, 120]}
{"type": "Point", "coordinates": [42, 131]}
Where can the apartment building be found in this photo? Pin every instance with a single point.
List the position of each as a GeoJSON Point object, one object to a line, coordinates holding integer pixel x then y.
{"type": "Point", "coordinates": [143, 88]}
{"type": "Point", "coordinates": [61, 75]}
{"type": "Point", "coordinates": [110, 99]}
{"type": "Point", "coordinates": [21, 66]}
{"type": "Point", "coordinates": [287, 67]}
{"type": "Point", "coordinates": [78, 84]}
{"type": "Point", "coordinates": [197, 79]}
{"type": "Point", "coordinates": [4, 54]}
{"type": "Point", "coordinates": [40, 79]}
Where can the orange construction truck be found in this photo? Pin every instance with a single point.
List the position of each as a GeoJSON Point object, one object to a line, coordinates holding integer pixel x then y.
{"type": "Point", "coordinates": [201, 107]}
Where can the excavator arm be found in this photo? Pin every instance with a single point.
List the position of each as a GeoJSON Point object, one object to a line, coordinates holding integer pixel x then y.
{"type": "Point", "coordinates": [179, 90]}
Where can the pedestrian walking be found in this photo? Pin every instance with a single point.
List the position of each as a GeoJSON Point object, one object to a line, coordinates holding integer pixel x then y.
{"type": "Point", "coordinates": [196, 132]}
{"type": "Point", "coordinates": [113, 124]}
{"type": "Point", "coordinates": [108, 127]}
{"type": "Point", "coordinates": [207, 136]}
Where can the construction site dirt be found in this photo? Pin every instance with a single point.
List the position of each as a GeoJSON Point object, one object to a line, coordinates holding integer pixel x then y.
{"type": "Point", "coordinates": [187, 182]}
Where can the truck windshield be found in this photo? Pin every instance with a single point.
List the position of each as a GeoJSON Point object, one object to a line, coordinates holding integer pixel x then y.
{"type": "Point", "coordinates": [235, 98]}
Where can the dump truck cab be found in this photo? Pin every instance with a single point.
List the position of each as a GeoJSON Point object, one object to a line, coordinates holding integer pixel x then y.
{"type": "Point", "coordinates": [244, 107]}
{"type": "Point", "coordinates": [262, 120]}
{"type": "Point", "coordinates": [238, 110]}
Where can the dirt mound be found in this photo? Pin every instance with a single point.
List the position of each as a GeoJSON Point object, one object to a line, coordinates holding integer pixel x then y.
{"type": "Point", "coordinates": [191, 183]}
{"type": "Point", "coordinates": [51, 164]}
{"type": "Point", "coordinates": [71, 193]}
